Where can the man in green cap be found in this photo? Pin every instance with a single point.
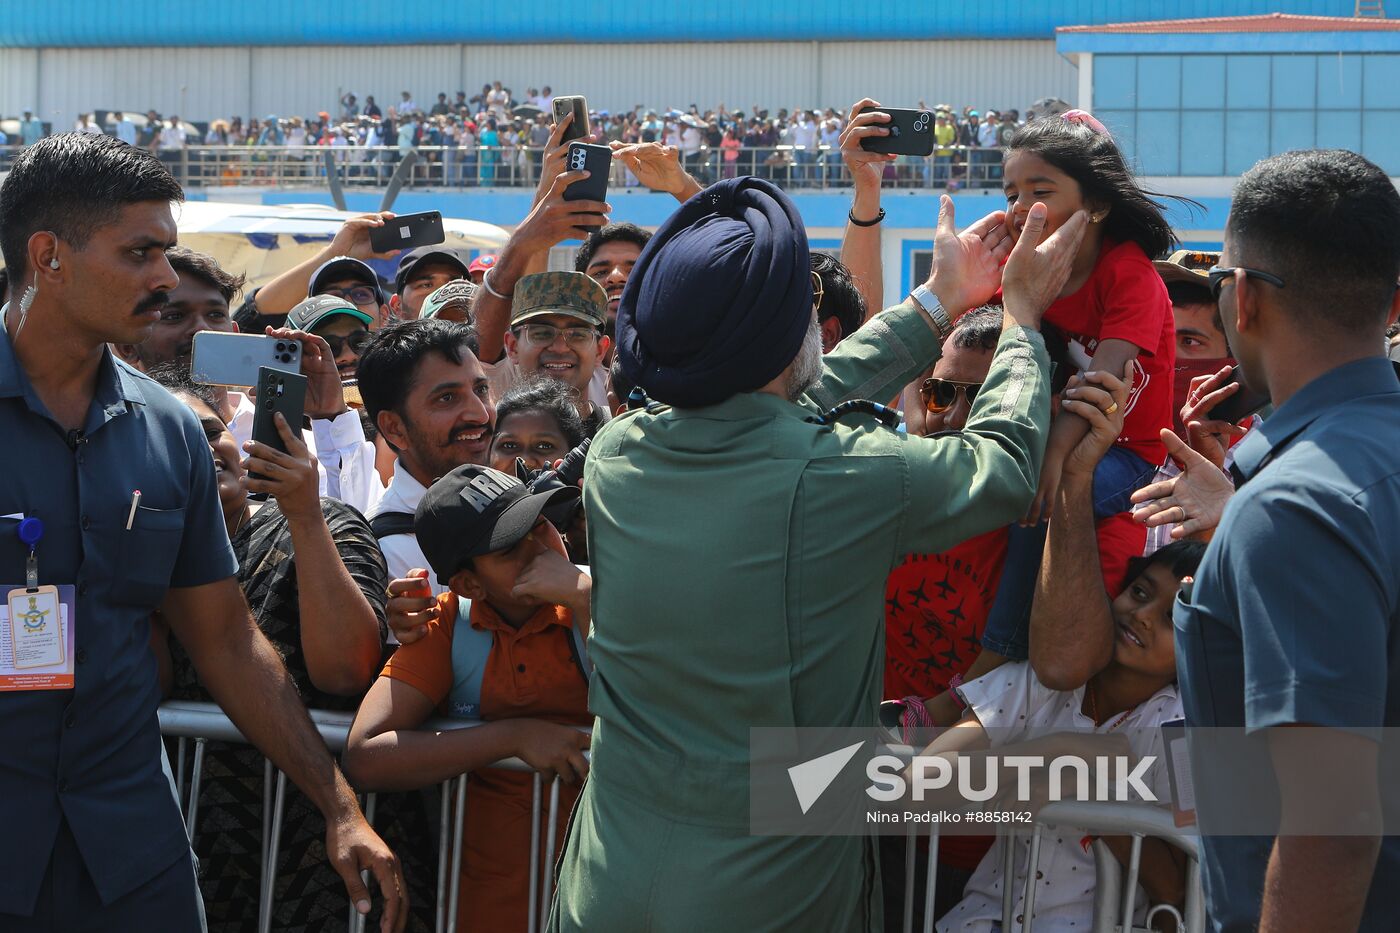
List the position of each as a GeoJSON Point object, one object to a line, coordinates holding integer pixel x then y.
{"type": "Point", "coordinates": [556, 330]}
{"type": "Point", "coordinates": [341, 324]}
{"type": "Point", "coordinates": [740, 543]}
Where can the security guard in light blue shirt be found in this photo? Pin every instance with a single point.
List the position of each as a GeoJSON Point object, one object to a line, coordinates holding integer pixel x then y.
{"type": "Point", "coordinates": [81, 769]}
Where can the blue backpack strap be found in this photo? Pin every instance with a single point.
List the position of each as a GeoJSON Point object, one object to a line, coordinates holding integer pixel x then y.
{"type": "Point", "coordinates": [470, 649]}
{"type": "Point", "coordinates": [578, 642]}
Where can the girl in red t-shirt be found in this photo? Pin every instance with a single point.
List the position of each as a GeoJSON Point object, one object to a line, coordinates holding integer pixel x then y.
{"type": "Point", "coordinates": [1113, 311]}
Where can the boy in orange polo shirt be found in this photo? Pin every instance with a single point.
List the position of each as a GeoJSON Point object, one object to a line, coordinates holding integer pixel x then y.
{"type": "Point", "coordinates": [517, 664]}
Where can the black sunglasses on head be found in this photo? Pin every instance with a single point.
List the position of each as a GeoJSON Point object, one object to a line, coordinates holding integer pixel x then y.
{"type": "Point", "coordinates": [1219, 275]}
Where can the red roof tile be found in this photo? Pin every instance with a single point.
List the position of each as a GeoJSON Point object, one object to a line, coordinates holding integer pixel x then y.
{"type": "Point", "coordinates": [1272, 22]}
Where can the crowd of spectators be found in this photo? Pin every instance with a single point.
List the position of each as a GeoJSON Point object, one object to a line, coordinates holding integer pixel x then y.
{"type": "Point", "coordinates": [493, 138]}
{"type": "Point", "coordinates": [972, 505]}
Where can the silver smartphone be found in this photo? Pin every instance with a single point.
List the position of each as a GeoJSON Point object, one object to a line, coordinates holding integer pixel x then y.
{"type": "Point", "coordinates": [222, 359]}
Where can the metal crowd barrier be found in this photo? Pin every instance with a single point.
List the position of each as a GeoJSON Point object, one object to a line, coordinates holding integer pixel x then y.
{"type": "Point", "coordinates": [458, 168]}
{"type": "Point", "coordinates": [204, 722]}
{"type": "Point", "coordinates": [1115, 898]}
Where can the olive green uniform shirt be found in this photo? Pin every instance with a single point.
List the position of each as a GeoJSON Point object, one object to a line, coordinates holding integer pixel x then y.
{"type": "Point", "coordinates": [739, 562]}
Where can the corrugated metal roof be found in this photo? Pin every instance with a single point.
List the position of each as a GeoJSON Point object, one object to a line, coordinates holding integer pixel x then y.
{"type": "Point", "coordinates": [102, 23]}
{"type": "Point", "coordinates": [1274, 22]}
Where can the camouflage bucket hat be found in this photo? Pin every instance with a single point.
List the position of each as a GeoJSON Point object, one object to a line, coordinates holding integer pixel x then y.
{"type": "Point", "coordinates": [570, 293]}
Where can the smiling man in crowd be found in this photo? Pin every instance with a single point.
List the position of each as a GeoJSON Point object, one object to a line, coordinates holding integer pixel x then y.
{"type": "Point", "coordinates": [427, 394]}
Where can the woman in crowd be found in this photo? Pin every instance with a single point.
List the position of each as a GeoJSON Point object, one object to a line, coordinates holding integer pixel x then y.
{"type": "Point", "coordinates": [315, 581]}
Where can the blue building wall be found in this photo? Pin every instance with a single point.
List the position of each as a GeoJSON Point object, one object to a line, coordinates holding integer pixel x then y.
{"type": "Point", "coordinates": [103, 23]}
{"type": "Point", "coordinates": [1200, 115]}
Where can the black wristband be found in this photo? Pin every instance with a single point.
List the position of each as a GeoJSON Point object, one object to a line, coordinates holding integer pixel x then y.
{"type": "Point", "coordinates": [865, 223]}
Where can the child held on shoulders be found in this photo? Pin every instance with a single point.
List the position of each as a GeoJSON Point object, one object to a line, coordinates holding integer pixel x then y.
{"type": "Point", "coordinates": [1105, 669]}
{"type": "Point", "coordinates": [1113, 311]}
{"type": "Point", "coordinates": [504, 645]}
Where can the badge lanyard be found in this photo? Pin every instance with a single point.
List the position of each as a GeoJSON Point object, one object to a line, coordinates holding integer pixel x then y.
{"type": "Point", "coordinates": [31, 532]}
{"type": "Point", "coordinates": [39, 636]}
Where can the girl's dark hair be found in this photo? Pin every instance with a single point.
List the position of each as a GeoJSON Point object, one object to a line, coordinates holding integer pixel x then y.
{"type": "Point", "coordinates": [547, 396]}
{"type": "Point", "coordinates": [174, 377]}
{"type": "Point", "coordinates": [1180, 557]}
{"type": "Point", "coordinates": [1093, 160]}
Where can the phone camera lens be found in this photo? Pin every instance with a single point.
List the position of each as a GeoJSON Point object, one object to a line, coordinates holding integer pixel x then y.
{"type": "Point", "coordinates": [281, 348]}
{"type": "Point", "coordinates": [269, 404]}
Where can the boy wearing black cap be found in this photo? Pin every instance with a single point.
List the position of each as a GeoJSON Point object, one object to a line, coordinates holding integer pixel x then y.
{"type": "Point", "coordinates": [517, 663]}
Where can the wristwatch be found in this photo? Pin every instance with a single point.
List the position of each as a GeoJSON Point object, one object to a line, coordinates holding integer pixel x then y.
{"type": "Point", "coordinates": [934, 309]}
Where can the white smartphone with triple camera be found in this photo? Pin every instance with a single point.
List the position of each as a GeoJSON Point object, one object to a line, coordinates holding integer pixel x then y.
{"type": "Point", "coordinates": [222, 359]}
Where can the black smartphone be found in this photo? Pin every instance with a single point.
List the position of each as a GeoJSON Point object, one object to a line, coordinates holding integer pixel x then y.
{"type": "Point", "coordinates": [911, 132]}
{"type": "Point", "coordinates": [278, 391]}
{"type": "Point", "coordinates": [576, 104]}
{"type": "Point", "coordinates": [1239, 406]}
{"type": "Point", "coordinates": [408, 231]}
{"type": "Point", "coordinates": [597, 161]}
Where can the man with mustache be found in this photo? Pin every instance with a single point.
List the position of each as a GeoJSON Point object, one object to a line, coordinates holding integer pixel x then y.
{"type": "Point", "coordinates": [428, 395]}
{"type": "Point", "coordinates": [345, 459]}
{"type": "Point", "coordinates": [200, 302]}
{"type": "Point", "coordinates": [95, 836]}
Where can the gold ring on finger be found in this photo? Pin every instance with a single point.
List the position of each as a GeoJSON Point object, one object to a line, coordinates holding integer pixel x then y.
{"type": "Point", "coordinates": [1113, 406]}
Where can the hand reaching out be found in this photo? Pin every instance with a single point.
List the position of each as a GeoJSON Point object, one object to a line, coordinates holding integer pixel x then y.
{"type": "Point", "coordinates": [1036, 271]}
{"type": "Point", "coordinates": [411, 607]}
{"type": "Point", "coordinates": [1194, 500]}
{"type": "Point", "coordinates": [1101, 399]}
{"type": "Point", "coordinates": [1210, 438]}
{"type": "Point", "coordinates": [325, 394]}
{"type": "Point", "coordinates": [353, 237]}
{"type": "Point", "coordinates": [291, 478]}
{"type": "Point", "coordinates": [658, 167]}
{"type": "Point", "coordinates": [967, 265]}
{"type": "Point", "coordinates": [867, 168]}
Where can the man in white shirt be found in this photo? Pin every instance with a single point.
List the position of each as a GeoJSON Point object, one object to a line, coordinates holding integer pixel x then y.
{"type": "Point", "coordinates": [427, 394]}
{"type": "Point", "coordinates": [172, 136]}
{"type": "Point", "coordinates": [805, 133]}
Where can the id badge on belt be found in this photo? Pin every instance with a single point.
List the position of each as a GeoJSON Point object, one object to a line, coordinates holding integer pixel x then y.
{"type": "Point", "coordinates": [36, 629]}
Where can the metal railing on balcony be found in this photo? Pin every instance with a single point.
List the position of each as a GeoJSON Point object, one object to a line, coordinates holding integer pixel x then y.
{"type": "Point", "coordinates": [454, 168]}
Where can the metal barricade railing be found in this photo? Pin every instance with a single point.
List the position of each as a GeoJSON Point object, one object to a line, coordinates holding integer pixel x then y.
{"type": "Point", "coordinates": [1114, 896]}
{"type": "Point", "coordinates": [204, 722]}
{"type": "Point", "coordinates": [1138, 820]}
{"type": "Point", "coordinates": [452, 168]}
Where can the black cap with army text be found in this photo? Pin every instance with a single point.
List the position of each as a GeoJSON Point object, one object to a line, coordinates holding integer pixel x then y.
{"type": "Point", "coordinates": [574, 294]}
{"type": "Point", "coordinates": [475, 510]}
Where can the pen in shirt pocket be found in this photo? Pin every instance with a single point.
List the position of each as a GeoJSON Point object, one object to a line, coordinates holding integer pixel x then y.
{"type": "Point", "coordinates": [135, 501]}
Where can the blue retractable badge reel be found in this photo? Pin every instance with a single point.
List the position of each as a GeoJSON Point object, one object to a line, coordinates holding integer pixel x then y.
{"type": "Point", "coordinates": [31, 531]}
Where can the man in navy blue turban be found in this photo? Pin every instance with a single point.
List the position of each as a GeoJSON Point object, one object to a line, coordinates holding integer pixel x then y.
{"type": "Point", "coordinates": [740, 547]}
{"type": "Point", "coordinates": [720, 300]}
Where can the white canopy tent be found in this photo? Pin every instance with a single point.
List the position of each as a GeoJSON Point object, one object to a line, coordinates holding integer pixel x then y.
{"type": "Point", "coordinates": [262, 241]}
